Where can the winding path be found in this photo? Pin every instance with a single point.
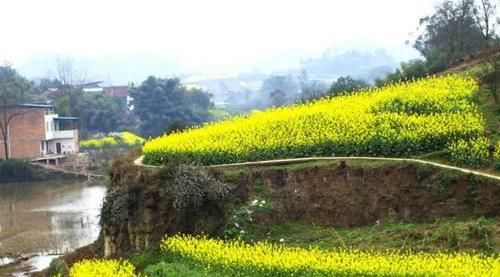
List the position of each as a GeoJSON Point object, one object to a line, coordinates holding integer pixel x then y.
{"type": "Point", "coordinates": [139, 162]}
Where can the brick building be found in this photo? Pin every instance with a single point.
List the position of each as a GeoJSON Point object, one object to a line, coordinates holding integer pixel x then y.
{"type": "Point", "coordinates": [120, 92]}
{"type": "Point", "coordinates": [37, 131]}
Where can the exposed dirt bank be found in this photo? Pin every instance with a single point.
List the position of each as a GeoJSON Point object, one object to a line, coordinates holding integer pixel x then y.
{"type": "Point", "coordinates": [330, 194]}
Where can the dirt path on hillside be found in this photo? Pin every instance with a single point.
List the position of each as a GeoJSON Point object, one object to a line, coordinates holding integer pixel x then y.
{"type": "Point", "coordinates": [472, 60]}
{"type": "Point", "coordinates": [139, 162]}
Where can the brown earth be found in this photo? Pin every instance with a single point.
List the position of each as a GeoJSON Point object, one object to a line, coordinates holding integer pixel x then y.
{"type": "Point", "coordinates": [342, 195]}
{"type": "Point", "coordinates": [353, 196]}
{"type": "Point", "coordinates": [472, 60]}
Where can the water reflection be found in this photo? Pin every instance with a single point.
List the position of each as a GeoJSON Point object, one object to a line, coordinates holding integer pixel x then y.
{"type": "Point", "coordinates": [48, 218]}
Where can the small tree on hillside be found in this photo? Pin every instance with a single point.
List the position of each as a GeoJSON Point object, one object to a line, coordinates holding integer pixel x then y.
{"type": "Point", "coordinates": [14, 90]}
{"type": "Point", "coordinates": [485, 14]}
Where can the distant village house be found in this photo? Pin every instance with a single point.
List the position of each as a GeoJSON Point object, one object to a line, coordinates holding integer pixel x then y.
{"type": "Point", "coordinates": [121, 92]}
{"type": "Point", "coordinates": [37, 132]}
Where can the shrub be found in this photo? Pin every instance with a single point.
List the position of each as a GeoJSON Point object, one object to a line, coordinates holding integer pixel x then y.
{"type": "Point", "coordinates": [193, 187]}
{"type": "Point", "coordinates": [13, 170]}
{"type": "Point", "coordinates": [163, 269]}
{"type": "Point", "coordinates": [243, 218]}
{"type": "Point", "coordinates": [58, 268]}
{"type": "Point", "coordinates": [115, 206]}
{"type": "Point", "coordinates": [473, 153]}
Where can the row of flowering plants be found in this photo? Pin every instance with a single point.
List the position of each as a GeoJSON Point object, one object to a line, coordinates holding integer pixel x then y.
{"type": "Point", "coordinates": [237, 258]}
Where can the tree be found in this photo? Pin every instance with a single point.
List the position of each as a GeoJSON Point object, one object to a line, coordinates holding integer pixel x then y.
{"type": "Point", "coordinates": [67, 74]}
{"type": "Point", "coordinates": [100, 113]}
{"type": "Point", "coordinates": [43, 84]}
{"type": "Point", "coordinates": [96, 111]}
{"type": "Point", "coordinates": [278, 98]}
{"type": "Point", "coordinates": [491, 74]}
{"type": "Point", "coordinates": [14, 90]}
{"type": "Point", "coordinates": [160, 102]}
{"type": "Point", "coordinates": [449, 34]}
{"type": "Point", "coordinates": [176, 126]}
{"type": "Point", "coordinates": [492, 79]}
{"type": "Point", "coordinates": [413, 69]}
{"type": "Point", "coordinates": [311, 89]}
{"type": "Point", "coordinates": [346, 84]}
{"type": "Point", "coordinates": [281, 90]}
{"type": "Point", "coordinates": [484, 13]}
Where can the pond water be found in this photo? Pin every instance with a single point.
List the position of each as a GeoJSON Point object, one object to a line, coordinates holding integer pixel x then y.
{"type": "Point", "coordinates": [42, 220]}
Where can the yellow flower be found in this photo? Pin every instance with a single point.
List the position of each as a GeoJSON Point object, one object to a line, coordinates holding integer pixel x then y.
{"type": "Point", "coordinates": [266, 259]}
{"type": "Point", "coordinates": [397, 120]}
{"type": "Point", "coordinates": [102, 268]}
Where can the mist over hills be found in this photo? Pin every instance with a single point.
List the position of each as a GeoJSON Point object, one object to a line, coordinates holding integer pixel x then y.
{"type": "Point", "coordinates": [224, 82]}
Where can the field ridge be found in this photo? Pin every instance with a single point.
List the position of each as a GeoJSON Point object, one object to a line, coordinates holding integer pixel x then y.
{"type": "Point", "coordinates": [139, 162]}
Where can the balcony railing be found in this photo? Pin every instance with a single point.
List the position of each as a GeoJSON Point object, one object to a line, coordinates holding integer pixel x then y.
{"type": "Point", "coordinates": [61, 134]}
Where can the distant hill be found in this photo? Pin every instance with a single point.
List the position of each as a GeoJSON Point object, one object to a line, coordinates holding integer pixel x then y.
{"type": "Point", "coordinates": [359, 64]}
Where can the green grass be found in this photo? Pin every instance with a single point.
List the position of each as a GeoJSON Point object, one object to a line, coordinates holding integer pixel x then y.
{"type": "Point", "coordinates": [232, 171]}
{"type": "Point", "coordinates": [483, 98]}
{"type": "Point", "coordinates": [155, 263]}
{"type": "Point", "coordinates": [469, 235]}
{"type": "Point", "coordinates": [491, 113]}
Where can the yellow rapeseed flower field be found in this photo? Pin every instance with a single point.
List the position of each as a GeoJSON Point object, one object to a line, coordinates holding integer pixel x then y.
{"type": "Point", "coordinates": [397, 120]}
{"type": "Point", "coordinates": [126, 139]}
{"type": "Point", "coordinates": [102, 268]}
{"type": "Point", "coordinates": [236, 258]}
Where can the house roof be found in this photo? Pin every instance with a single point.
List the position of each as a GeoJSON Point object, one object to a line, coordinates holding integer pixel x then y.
{"type": "Point", "coordinates": [35, 105]}
{"type": "Point", "coordinates": [66, 118]}
{"type": "Point", "coordinates": [92, 85]}
{"type": "Point", "coordinates": [49, 92]}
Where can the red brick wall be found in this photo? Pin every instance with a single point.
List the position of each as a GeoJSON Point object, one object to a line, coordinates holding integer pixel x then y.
{"type": "Point", "coordinates": [121, 91]}
{"type": "Point", "coordinates": [26, 133]}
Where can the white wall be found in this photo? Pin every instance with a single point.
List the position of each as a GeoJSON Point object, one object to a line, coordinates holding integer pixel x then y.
{"type": "Point", "coordinates": [49, 126]}
{"type": "Point", "coordinates": [67, 146]}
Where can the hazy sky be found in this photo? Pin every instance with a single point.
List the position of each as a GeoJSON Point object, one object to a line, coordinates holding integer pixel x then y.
{"type": "Point", "coordinates": [202, 34]}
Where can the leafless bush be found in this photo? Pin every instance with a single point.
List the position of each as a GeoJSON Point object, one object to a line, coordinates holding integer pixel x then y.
{"type": "Point", "coordinates": [193, 187]}
{"type": "Point", "coordinates": [114, 208]}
